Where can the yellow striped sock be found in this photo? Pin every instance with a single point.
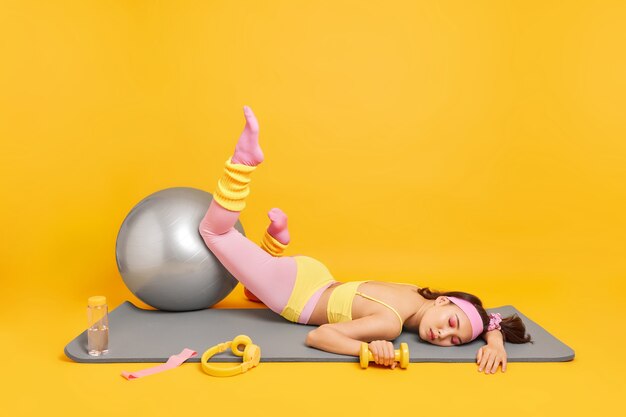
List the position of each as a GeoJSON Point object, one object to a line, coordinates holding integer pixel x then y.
{"type": "Point", "coordinates": [232, 188]}
{"type": "Point", "coordinates": [272, 246]}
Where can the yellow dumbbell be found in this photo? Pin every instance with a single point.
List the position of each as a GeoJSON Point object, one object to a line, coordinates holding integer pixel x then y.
{"type": "Point", "coordinates": [400, 355]}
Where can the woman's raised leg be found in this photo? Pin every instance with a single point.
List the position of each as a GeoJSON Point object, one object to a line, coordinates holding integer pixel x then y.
{"type": "Point", "coordinates": [270, 278]}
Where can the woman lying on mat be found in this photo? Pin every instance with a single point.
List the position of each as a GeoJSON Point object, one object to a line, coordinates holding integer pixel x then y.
{"type": "Point", "coordinates": [302, 290]}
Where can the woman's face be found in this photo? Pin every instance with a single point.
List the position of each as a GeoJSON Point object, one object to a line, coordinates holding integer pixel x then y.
{"type": "Point", "coordinates": [445, 324]}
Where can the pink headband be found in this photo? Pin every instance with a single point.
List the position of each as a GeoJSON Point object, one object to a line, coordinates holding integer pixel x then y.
{"type": "Point", "coordinates": [472, 314]}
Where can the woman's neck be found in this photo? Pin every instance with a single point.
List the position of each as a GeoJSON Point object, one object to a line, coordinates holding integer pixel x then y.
{"type": "Point", "coordinates": [413, 321]}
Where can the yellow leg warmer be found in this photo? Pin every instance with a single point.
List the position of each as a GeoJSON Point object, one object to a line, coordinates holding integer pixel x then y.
{"type": "Point", "coordinates": [272, 246]}
{"type": "Point", "coordinates": [232, 188]}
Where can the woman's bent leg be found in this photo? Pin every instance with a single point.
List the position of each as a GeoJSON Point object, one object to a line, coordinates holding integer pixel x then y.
{"type": "Point", "coordinates": [270, 279]}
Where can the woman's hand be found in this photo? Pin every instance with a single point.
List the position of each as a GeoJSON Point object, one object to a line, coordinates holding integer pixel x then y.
{"type": "Point", "coordinates": [490, 356]}
{"type": "Point", "coordinates": [383, 353]}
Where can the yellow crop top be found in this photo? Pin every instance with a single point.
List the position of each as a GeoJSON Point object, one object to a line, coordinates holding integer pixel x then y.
{"type": "Point", "coordinates": [340, 302]}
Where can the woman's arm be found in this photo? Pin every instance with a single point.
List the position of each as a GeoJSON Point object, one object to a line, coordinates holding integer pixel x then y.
{"type": "Point", "coordinates": [330, 339]}
{"type": "Point", "coordinates": [494, 336]}
{"type": "Point", "coordinates": [491, 355]}
{"type": "Point", "coordinates": [345, 338]}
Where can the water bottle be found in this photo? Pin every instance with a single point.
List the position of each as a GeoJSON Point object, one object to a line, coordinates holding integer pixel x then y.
{"type": "Point", "coordinates": [98, 330]}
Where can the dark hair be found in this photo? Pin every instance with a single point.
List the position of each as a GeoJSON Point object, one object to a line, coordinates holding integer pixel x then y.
{"type": "Point", "coordinates": [512, 327]}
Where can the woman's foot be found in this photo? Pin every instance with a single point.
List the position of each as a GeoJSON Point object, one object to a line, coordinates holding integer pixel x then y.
{"type": "Point", "coordinates": [278, 228]}
{"type": "Point", "coordinates": [247, 150]}
{"type": "Point", "coordinates": [251, 296]}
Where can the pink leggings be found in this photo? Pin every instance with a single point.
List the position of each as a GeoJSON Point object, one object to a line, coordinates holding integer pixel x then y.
{"type": "Point", "coordinates": [270, 278]}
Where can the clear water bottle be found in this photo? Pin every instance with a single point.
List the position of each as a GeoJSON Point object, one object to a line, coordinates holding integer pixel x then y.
{"type": "Point", "coordinates": [98, 330]}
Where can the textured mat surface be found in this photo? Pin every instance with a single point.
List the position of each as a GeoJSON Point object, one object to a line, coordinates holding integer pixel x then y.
{"type": "Point", "coordinates": [138, 335]}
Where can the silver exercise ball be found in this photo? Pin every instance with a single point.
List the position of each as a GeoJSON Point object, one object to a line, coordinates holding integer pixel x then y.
{"type": "Point", "coordinates": [162, 256]}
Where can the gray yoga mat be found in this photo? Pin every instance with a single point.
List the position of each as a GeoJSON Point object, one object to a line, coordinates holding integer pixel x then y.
{"type": "Point", "coordinates": [137, 335]}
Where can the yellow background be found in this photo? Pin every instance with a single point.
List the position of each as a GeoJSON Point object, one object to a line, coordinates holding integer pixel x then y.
{"type": "Point", "coordinates": [475, 145]}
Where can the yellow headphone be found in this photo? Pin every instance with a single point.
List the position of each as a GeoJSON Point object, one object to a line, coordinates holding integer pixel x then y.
{"type": "Point", "coordinates": [251, 356]}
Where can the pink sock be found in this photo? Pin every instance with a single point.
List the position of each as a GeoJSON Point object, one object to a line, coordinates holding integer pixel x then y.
{"type": "Point", "coordinates": [247, 151]}
{"type": "Point", "coordinates": [278, 228]}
